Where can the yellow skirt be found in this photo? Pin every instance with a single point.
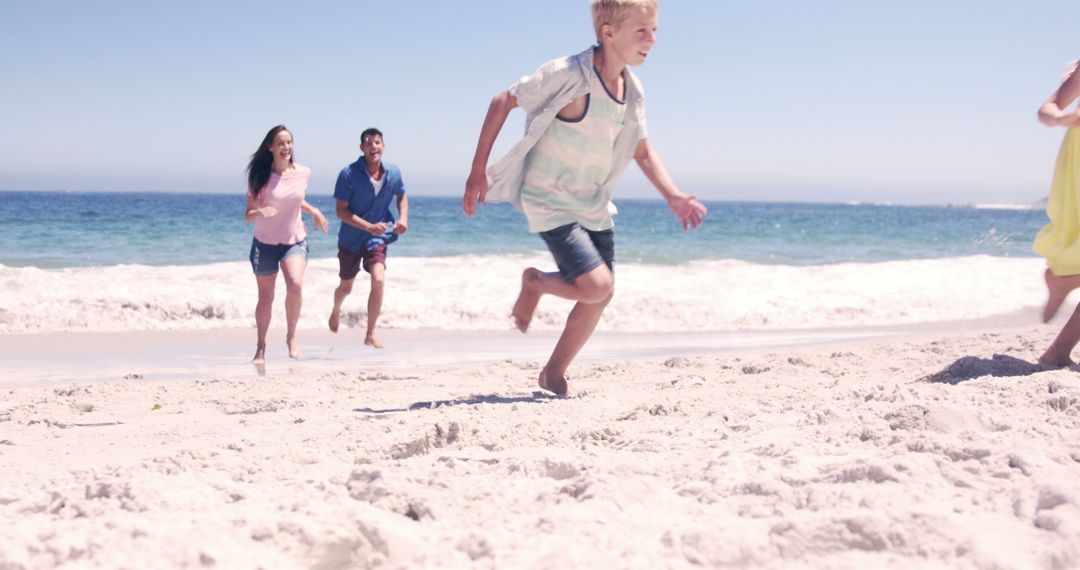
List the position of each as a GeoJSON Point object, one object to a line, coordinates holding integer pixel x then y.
{"type": "Point", "coordinates": [1059, 241]}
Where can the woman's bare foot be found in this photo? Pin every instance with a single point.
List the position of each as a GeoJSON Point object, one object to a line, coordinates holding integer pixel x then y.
{"type": "Point", "coordinates": [335, 320]}
{"type": "Point", "coordinates": [260, 353]}
{"type": "Point", "coordinates": [527, 299]}
{"type": "Point", "coordinates": [294, 348]}
{"type": "Point", "coordinates": [1057, 288]}
{"type": "Point", "coordinates": [370, 340]}
{"type": "Point", "coordinates": [556, 385]}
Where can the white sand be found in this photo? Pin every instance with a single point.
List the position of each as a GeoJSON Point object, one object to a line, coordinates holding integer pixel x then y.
{"type": "Point", "coordinates": [835, 457]}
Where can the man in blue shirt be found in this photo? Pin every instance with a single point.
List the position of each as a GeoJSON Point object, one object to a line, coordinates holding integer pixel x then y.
{"type": "Point", "coordinates": [363, 192]}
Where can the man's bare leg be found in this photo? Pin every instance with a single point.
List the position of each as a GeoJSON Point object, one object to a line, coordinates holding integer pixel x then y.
{"type": "Point", "coordinates": [264, 309]}
{"type": "Point", "coordinates": [293, 269]}
{"type": "Point", "coordinates": [340, 293]}
{"type": "Point", "coordinates": [591, 287]}
{"type": "Point", "coordinates": [579, 327]}
{"type": "Point", "coordinates": [1057, 288]}
{"type": "Point", "coordinates": [374, 304]}
{"type": "Point", "coordinates": [1059, 352]}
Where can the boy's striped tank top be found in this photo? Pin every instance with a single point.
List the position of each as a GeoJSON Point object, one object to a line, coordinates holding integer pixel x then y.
{"type": "Point", "coordinates": [566, 168]}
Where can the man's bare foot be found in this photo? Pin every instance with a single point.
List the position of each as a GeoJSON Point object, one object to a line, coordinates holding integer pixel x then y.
{"type": "Point", "coordinates": [294, 348]}
{"type": "Point", "coordinates": [260, 353]}
{"type": "Point", "coordinates": [1057, 288]}
{"type": "Point", "coordinates": [335, 319]}
{"type": "Point", "coordinates": [557, 385]}
{"type": "Point", "coordinates": [527, 299]}
{"type": "Point", "coordinates": [370, 340]}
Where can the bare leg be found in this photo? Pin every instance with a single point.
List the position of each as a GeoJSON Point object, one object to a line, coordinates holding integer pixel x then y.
{"type": "Point", "coordinates": [340, 293]}
{"type": "Point", "coordinates": [1057, 288]}
{"type": "Point", "coordinates": [554, 384]}
{"type": "Point", "coordinates": [527, 299]}
{"type": "Point", "coordinates": [263, 311]}
{"type": "Point", "coordinates": [293, 268]}
{"type": "Point", "coordinates": [593, 287]}
{"type": "Point", "coordinates": [579, 327]}
{"type": "Point", "coordinates": [1059, 352]}
{"type": "Point", "coordinates": [374, 303]}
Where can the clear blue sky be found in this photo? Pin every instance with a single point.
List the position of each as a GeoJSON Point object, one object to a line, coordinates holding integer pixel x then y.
{"type": "Point", "coordinates": [874, 100]}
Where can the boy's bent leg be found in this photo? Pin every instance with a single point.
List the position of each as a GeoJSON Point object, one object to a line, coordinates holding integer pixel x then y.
{"type": "Point", "coordinates": [591, 288]}
{"type": "Point", "coordinates": [579, 327]}
{"type": "Point", "coordinates": [342, 291]}
{"type": "Point", "coordinates": [527, 299]}
{"type": "Point", "coordinates": [375, 299]}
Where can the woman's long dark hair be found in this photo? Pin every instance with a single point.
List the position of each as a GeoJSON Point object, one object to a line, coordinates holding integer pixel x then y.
{"type": "Point", "coordinates": [262, 162]}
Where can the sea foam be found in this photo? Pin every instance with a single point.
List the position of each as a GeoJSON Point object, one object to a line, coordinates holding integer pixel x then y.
{"type": "Point", "coordinates": [477, 292]}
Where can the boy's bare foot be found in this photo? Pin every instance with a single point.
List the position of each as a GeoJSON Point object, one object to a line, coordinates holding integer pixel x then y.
{"type": "Point", "coordinates": [370, 340]}
{"type": "Point", "coordinates": [294, 348]}
{"type": "Point", "coordinates": [527, 299]}
{"type": "Point", "coordinates": [260, 353]}
{"type": "Point", "coordinates": [553, 384]}
{"type": "Point", "coordinates": [1052, 358]}
{"type": "Point", "coordinates": [335, 320]}
{"type": "Point", "coordinates": [1057, 288]}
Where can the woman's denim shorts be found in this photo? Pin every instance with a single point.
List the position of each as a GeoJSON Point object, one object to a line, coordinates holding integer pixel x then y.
{"type": "Point", "coordinates": [266, 258]}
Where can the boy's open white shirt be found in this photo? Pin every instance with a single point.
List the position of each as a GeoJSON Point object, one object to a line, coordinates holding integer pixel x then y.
{"type": "Point", "coordinates": [542, 95]}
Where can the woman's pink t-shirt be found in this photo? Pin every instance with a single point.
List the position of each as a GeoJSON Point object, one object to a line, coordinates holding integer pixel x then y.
{"type": "Point", "coordinates": [286, 193]}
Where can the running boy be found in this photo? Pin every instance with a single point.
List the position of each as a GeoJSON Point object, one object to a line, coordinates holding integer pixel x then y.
{"type": "Point", "coordinates": [585, 121]}
{"type": "Point", "coordinates": [363, 192]}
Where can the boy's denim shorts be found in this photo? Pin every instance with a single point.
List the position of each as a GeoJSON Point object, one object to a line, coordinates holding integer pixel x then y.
{"type": "Point", "coordinates": [266, 258]}
{"type": "Point", "coordinates": [578, 251]}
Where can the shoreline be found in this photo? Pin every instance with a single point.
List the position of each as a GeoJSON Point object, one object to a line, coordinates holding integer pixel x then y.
{"type": "Point", "coordinates": [80, 356]}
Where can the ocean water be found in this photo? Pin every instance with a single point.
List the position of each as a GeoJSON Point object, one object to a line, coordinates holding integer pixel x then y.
{"type": "Point", "coordinates": [119, 261]}
{"type": "Point", "coordinates": [52, 230]}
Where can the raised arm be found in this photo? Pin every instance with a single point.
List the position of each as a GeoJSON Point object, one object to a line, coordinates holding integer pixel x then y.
{"type": "Point", "coordinates": [685, 207]}
{"type": "Point", "coordinates": [316, 216]}
{"type": "Point", "coordinates": [1053, 113]}
{"type": "Point", "coordinates": [476, 186]}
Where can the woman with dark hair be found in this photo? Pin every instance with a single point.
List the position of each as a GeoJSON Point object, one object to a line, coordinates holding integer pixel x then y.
{"type": "Point", "coordinates": [276, 195]}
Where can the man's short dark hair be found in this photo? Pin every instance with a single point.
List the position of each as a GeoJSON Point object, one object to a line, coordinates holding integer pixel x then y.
{"type": "Point", "coordinates": [370, 133]}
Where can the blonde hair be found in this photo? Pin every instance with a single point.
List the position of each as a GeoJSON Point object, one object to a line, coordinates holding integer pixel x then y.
{"type": "Point", "coordinates": [615, 12]}
{"type": "Point", "coordinates": [1070, 68]}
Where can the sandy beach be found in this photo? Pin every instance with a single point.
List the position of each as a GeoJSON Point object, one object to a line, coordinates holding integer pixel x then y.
{"type": "Point", "coordinates": [831, 229]}
{"type": "Point", "coordinates": [944, 448]}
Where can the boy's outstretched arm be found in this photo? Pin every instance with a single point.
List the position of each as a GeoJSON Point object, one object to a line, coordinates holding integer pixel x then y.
{"type": "Point", "coordinates": [685, 206]}
{"type": "Point", "coordinates": [476, 186]}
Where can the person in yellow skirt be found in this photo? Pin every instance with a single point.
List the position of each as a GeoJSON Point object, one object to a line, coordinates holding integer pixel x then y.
{"type": "Point", "coordinates": [1059, 240]}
